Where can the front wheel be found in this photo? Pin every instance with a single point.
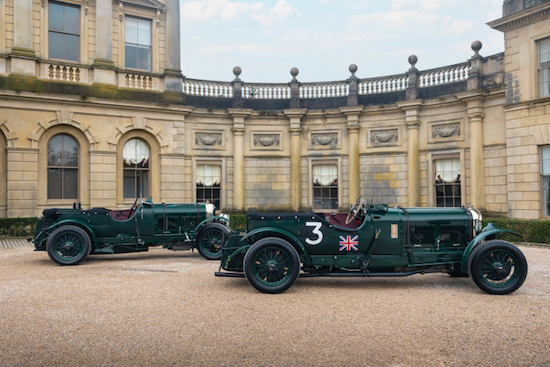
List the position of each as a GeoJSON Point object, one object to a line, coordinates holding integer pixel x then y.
{"type": "Point", "coordinates": [271, 265]}
{"type": "Point", "coordinates": [211, 239]}
{"type": "Point", "coordinates": [68, 245]}
{"type": "Point", "coordinates": [497, 267]}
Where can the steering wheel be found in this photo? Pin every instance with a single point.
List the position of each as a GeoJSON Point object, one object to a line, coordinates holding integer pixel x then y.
{"type": "Point", "coordinates": [354, 211]}
{"type": "Point", "coordinates": [133, 209]}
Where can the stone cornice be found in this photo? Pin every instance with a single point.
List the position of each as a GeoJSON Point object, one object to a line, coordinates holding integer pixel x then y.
{"type": "Point", "coordinates": [520, 19]}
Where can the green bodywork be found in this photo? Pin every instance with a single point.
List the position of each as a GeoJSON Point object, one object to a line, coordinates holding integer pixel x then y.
{"type": "Point", "coordinates": [382, 240]}
{"type": "Point", "coordinates": [119, 231]}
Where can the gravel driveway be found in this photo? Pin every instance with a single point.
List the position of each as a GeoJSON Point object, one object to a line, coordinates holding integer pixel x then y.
{"type": "Point", "coordinates": [163, 308]}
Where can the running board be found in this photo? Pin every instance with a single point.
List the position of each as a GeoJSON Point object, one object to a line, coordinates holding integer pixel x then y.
{"type": "Point", "coordinates": [335, 275]}
{"type": "Point", "coordinates": [231, 275]}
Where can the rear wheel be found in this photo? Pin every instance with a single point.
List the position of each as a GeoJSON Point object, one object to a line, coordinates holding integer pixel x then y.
{"type": "Point", "coordinates": [271, 265]}
{"type": "Point", "coordinates": [68, 245]}
{"type": "Point", "coordinates": [211, 239]}
{"type": "Point", "coordinates": [497, 267]}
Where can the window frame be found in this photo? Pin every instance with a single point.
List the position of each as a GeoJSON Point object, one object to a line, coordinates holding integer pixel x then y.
{"type": "Point", "coordinates": [539, 69]}
{"type": "Point", "coordinates": [79, 34]}
{"type": "Point", "coordinates": [339, 186]}
{"type": "Point", "coordinates": [63, 168]}
{"type": "Point", "coordinates": [136, 169]}
{"type": "Point", "coordinates": [219, 188]}
{"type": "Point", "coordinates": [460, 184]}
{"type": "Point", "coordinates": [124, 42]}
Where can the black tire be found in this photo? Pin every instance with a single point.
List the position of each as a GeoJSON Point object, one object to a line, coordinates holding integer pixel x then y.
{"type": "Point", "coordinates": [271, 265]}
{"type": "Point", "coordinates": [211, 239]}
{"type": "Point", "coordinates": [497, 267]}
{"type": "Point", "coordinates": [68, 245]}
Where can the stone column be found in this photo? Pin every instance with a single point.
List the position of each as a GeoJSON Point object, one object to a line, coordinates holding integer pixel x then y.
{"type": "Point", "coordinates": [477, 165]}
{"type": "Point", "coordinates": [412, 120]}
{"type": "Point", "coordinates": [238, 130]}
{"type": "Point", "coordinates": [353, 128]}
{"type": "Point", "coordinates": [173, 79]}
{"type": "Point", "coordinates": [353, 82]}
{"type": "Point", "coordinates": [294, 89]}
{"type": "Point", "coordinates": [23, 59]}
{"type": "Point", "coordinates": [295, 130]}
{"type": "Point", "coordinates": [104, 67]}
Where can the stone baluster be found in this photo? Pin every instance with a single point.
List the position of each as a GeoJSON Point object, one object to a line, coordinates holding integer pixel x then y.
{"type": "Point", "coordinates": [238, 130]}
{"type": "Point", "coordinates": [353, 82]}
{"type": "Point", "coordinates": [238, 101]}
{"type": "Point", "coordinates": [173, 78]}
{"type": "Point", "coordinates": [414, 78]}
{"type": "Point", "coordinates": [475, 81]}
{"type": "Point", "coordinates": [295, 129]}
{"type": "Point", "coordinates": [294, 89]}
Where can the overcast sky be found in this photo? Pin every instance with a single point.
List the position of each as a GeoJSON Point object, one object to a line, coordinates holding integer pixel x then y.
{"type": "Point", "coordinates": [323, 37]}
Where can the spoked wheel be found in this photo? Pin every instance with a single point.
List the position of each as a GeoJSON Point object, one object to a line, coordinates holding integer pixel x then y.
{"type": "Point", "coordinates": [68, 245]}
{"type": "Point", "coordinates": [497, 267]}
{"type": "Point", "coordinates": [211, 240]}
{"type": "Point", "coordinates": [271, 265]}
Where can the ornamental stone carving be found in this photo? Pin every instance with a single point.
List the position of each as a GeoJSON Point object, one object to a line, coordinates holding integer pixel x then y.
{"type": "Point", "coordinates": [384, 137]}
{"type": "Point", "coordinates": [266, 140]}
{"type": "Point", "coordinates": [446, 131]}
{"type": "Point", "coordinates": [324, 139]}
{"type": "Point", "coordinates": [208, 140]}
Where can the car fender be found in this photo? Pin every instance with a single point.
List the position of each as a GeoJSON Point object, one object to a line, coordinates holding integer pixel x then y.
{"type": "Point", "coordinates": [69, 222]}
{"type": "Point", "coordinates": [281, 233]}
{"type": "Point", "coordinates": [482, 235]}
{"type": "Point", "coordinates": [206, 221]}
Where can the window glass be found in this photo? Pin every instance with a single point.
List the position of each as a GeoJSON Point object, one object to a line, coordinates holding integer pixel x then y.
{"type": "Point", "coordinates": [62, 167]}
{"type": "Point", "coordinates": [138, 43]}
{"type": "Point", "coordinates": [447, 182]}
{"type": "Point", "coordinates": [325, 186]}
{"type": "Point", "coordinates": [64, 30]}
{"type": "Point", "coordinates": [135, 156]}
{"type": "Point", "coordinates": [208, 179]}
{"type": "Point", "coordinates": [544, 64]}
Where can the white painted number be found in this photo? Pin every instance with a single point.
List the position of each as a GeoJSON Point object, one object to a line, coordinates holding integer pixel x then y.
{"type": "Point", "coordinates": [315, 231]}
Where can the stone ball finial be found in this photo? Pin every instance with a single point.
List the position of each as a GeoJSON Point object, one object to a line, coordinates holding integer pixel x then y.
{"type": "Point", "coordinates": [294, 72]}
{"type": "Point", "coordinates": [352, 69]}
{"type": "Point", "coordinates": [476, 46]}
{"type": "Point", "coordinates": [413, 60]}
{"type": "Point", "coordinates": [237, 71]}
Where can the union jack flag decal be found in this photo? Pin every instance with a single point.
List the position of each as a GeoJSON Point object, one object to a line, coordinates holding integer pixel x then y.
{"type": "Point", "coordinates": [348, 243]}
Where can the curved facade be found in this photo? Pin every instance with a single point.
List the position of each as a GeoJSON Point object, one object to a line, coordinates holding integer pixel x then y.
{"type": "Point", "coordinates": [115, 120]}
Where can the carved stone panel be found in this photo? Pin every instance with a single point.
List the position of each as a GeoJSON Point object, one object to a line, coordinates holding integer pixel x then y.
{"type": "Point", "coordinates": [446, 131]}
{"type": "Point", "coordinates": [325, 139]}
{"type": "Point", "coordinates": [208, 139]}
{"type": "Point", "coordinates": [384, 137]}
{"type": "Point", "coordinates": [266, 140]}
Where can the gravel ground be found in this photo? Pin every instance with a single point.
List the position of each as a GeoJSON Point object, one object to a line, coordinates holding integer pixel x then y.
{"type": "Point", "coordinates": [162, 308]}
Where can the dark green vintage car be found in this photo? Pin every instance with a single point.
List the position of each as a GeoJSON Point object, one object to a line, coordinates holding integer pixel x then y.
{"type": "Point", "coordinates": [70, 235]}
{"type": "Point", "coordinates": [373, 241]}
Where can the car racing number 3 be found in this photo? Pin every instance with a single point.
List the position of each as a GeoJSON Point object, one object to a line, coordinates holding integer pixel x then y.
{"type": "Point", "coordinates": [312, 233]}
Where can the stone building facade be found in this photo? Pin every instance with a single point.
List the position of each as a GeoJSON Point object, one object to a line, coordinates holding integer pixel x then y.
{"type": "Point", "coordinates": [94, 108]}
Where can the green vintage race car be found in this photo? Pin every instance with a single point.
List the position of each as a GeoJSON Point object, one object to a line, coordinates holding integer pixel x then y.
{"type": "Point", "coordinates": [373, 241]}
{"type": "Point", "coordinates": [70, 235]}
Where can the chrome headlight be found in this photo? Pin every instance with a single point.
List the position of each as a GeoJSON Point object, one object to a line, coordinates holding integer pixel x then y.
{"type": "Point", "coordinates": [477, 217]}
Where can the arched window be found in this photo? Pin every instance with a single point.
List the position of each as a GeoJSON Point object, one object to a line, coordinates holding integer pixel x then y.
{"type": "Point", "coordinates": [62, 167]}
{"type": "Point", "coordinates": [136, 169]}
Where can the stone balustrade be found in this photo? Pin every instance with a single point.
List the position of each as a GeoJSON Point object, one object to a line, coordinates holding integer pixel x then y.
{"type": "Point", "coordinates": [387, 84]}
{"type": "Point", "coordinates": [445, 75]}
{"type": "Point", "coordinates": [324, 89]}
{"type": "Point", "coordinates": [266, 91]}
{"type": "Point", "coordinates": [64, 72]}
{"type": "Point", "coordinates": [207, 88]}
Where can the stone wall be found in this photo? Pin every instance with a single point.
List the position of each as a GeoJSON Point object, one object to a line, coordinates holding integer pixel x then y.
{"type": "Point", "coordinates": [384, 179]}
{"type": "Point", "coordinates": [267, 183]}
